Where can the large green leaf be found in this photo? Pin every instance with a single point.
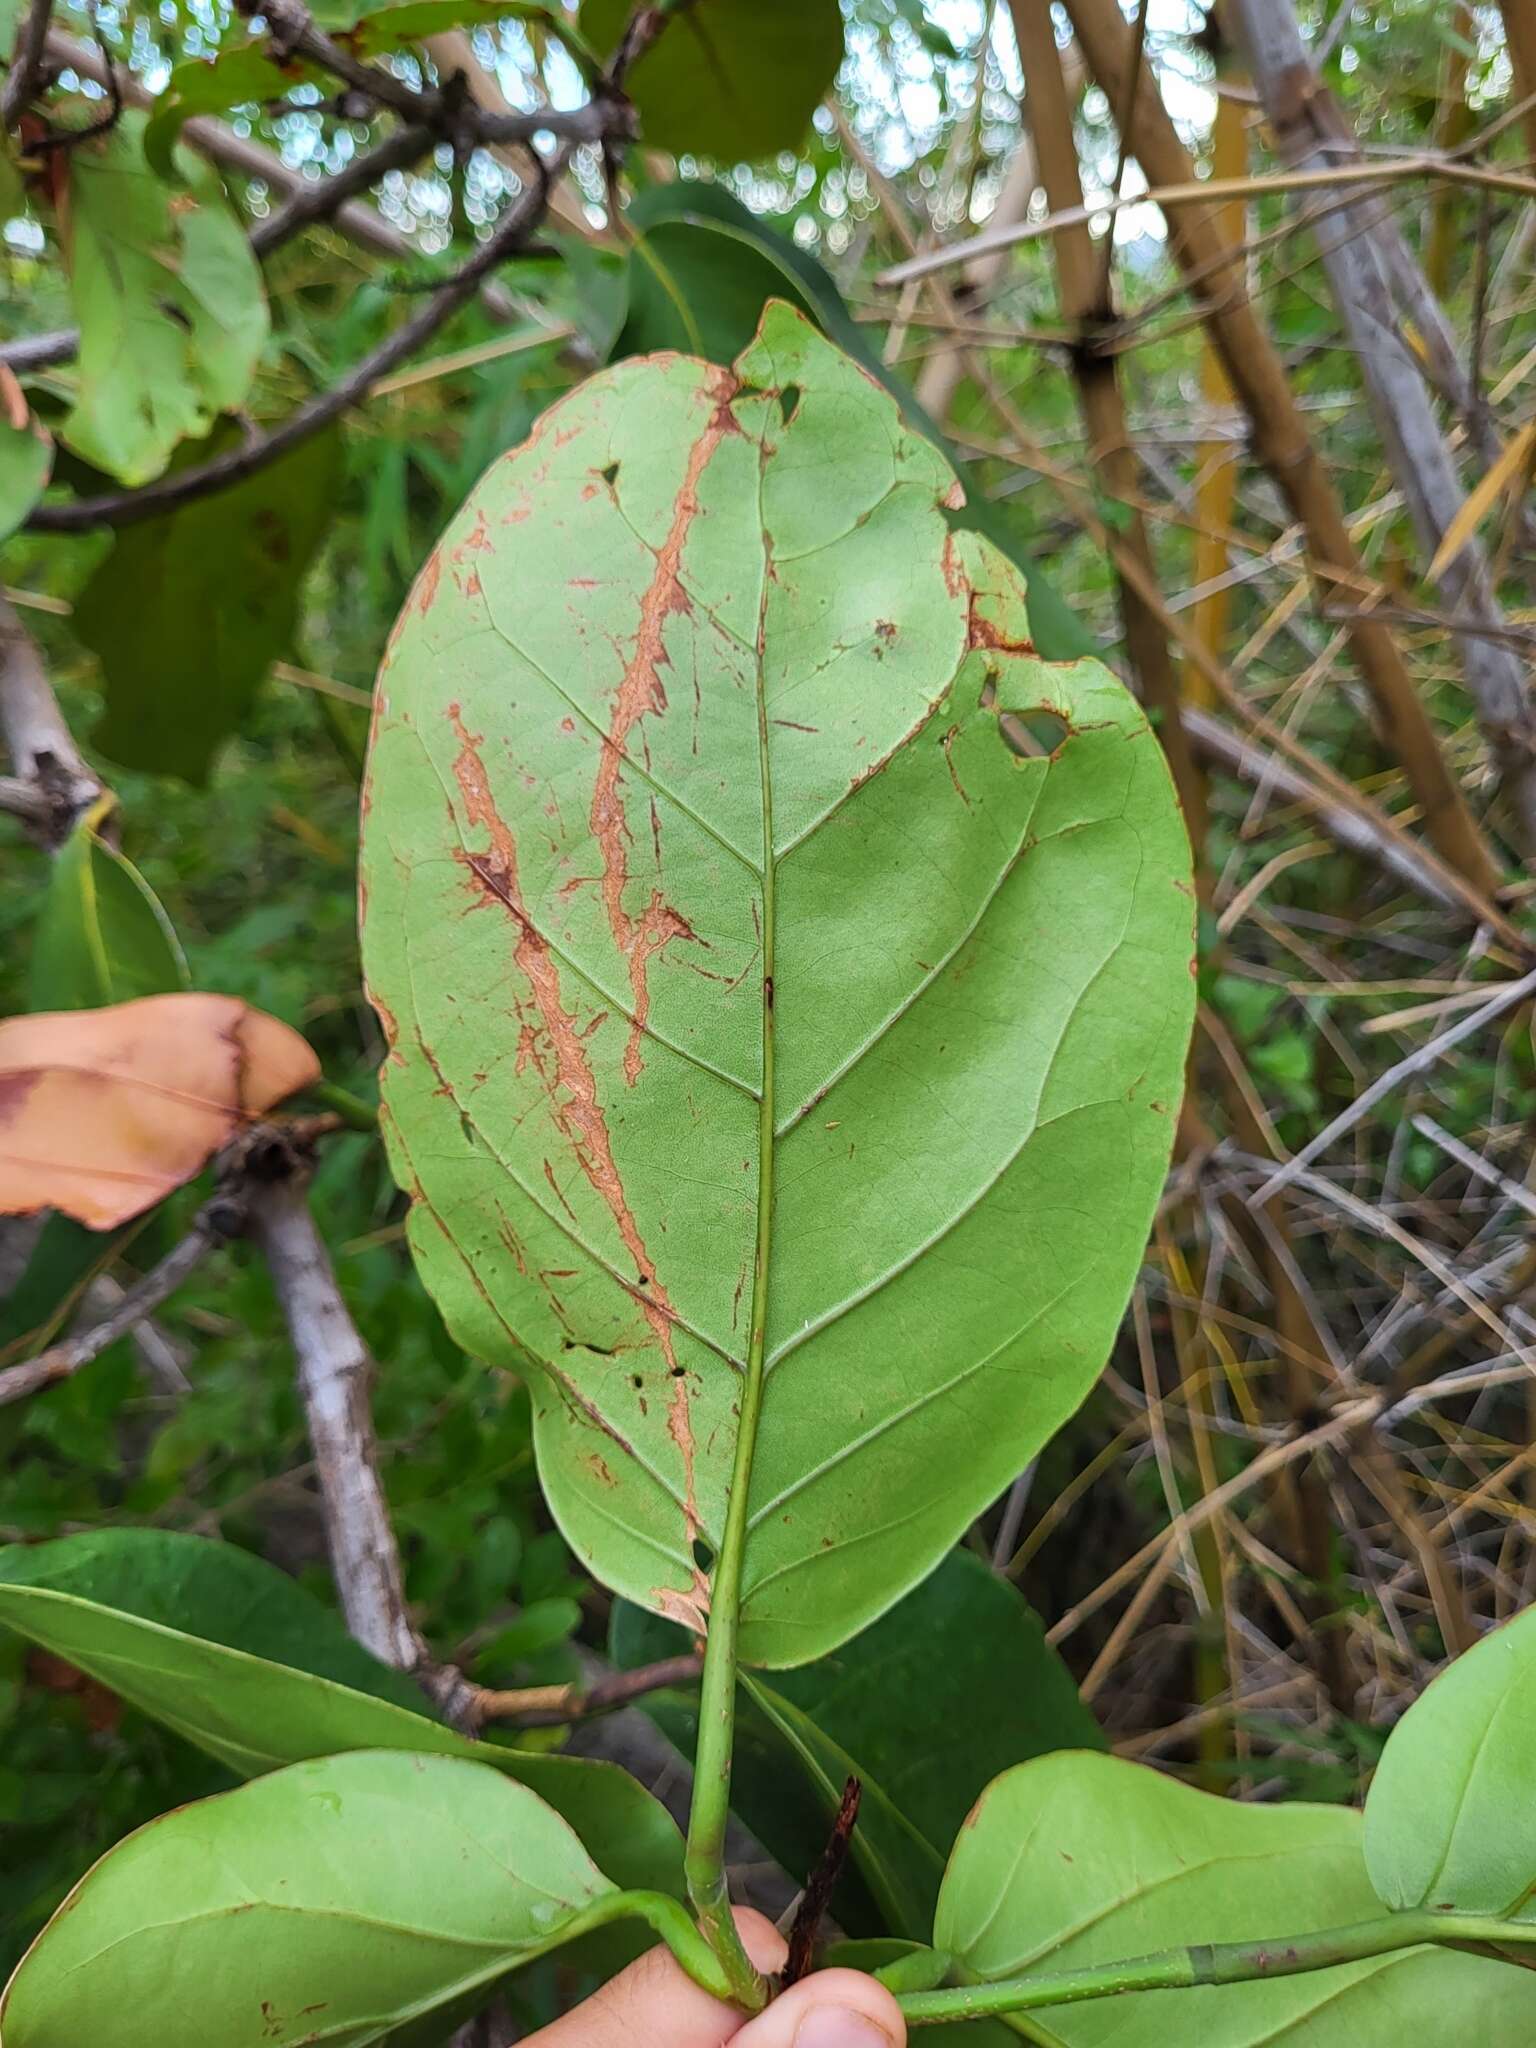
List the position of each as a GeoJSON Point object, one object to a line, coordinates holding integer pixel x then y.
{"type": "Point", "coordinates": [924, 1707]}
{"type": "Point", "coordinates": [700, 271]}
{"type": "Point", "coordinates": [1451, 1815]}
{"type": "Point", "coordinates": [169, 299]}
{"type": "Point", "coordinates": [233, 1656]}
{"type": "Point", "coordinates": [214, 1591]}
{"type": "Point", "coordinates": [731, 79]}
{"type": "Point", "coordinates": [101, 935]}
{"type": "Point", "coordinates": [1075, 1859]}
{"type": "Point", "coordinates": [691, 726]}
{"type": "Point", "coordinates": [188, 611]}
{"type": "Point", "coordinates": [333, 1901]}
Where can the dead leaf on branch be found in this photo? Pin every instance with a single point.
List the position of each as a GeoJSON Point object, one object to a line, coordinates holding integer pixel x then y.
{"type": "Point", "coordinates": [104, 1112]}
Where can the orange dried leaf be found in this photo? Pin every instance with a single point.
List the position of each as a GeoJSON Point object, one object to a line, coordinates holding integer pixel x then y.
{"type": "Point", "coordinates": [104, 1112]}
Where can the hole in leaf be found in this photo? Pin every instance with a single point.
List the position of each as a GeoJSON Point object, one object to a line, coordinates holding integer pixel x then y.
{"type": "Point", "coordinates": [703, 1556]}
{"type": "Point", "coordinates": [611, 474]}
{"type": "Point", "coordinates": [637, 1380]}
{"type": "Point", "coordinates": [1033, 733]}
{"type": "Point", "coordinates": [789, 402]}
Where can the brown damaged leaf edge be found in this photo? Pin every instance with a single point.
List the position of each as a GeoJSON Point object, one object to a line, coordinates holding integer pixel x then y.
{"type": "Point", "coordinates": [572, 1087]}
{"type": "Point", "coordinates": [642, 693]}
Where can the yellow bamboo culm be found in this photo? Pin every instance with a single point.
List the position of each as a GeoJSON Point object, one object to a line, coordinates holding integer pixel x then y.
{"type": "Point", "coordinates": [1216, 489]}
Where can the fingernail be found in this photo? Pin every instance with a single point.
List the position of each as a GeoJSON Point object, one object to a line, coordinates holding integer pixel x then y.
{"type": "Point", "coordinates": [840, 2026]}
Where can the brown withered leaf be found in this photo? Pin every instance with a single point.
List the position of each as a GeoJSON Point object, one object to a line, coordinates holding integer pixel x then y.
{"type": "Point", "coordinates": [103, 1112]}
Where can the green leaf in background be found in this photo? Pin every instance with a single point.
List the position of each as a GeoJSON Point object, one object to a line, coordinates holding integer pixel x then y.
{"type": "Point", "coordinates": [26, 447]}
{"type": "Point", "coordinates": [189, 611]}
{"type": "Point", "coordinates": [1450, 1819]}
{"type": "Point", "coordinates": [332, 1901]}
{"type": "Point", "coordinates": [1074, 1860]}
{"type": "Point", "coordinates": [169, 299]}
{"type": "Point", "coordinates": [961, 1652]}
{"type": "Point", "coordinates": [702, 268]}
{"type": "Point", "coordinates": [163, 1618]}
{"type": "Point", "coordinates": [699, 274]}
{"type": "Point", "coordinates": [732, 79]}
{"type": "Point", "coordinates": [242, 75]}
{"type": "Point", "coordinates": [701, 669]}
{"type": "Point", "coordinates": [216, 1591]}
{"type": "Point", "coordinates": [101, 935]}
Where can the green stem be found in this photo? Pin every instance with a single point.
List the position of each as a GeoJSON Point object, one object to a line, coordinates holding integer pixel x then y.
{"type": "Point", "coordinates": [668, 1918]}
{"type": "Point", "coordinates": [921, 1970]}
{"type": "Point", "coordinates": [354, 1112]}
{"type": "Point", "coordinates": [710, 1812]}
{"type": "Point", "coordinates": [1231, 1962]}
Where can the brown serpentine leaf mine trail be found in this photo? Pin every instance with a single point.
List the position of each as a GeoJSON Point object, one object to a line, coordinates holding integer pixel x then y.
{"type": "Point", "coordinates": [641, 692]}
{"type": "Point", "coordinates": [573, 1086]}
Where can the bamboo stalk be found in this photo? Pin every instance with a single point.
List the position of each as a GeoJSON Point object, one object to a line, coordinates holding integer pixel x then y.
{"type": "Point", "coordinates": [1310, 132]}
{"type": "Point", "coordinates": [1453, 124]}
{"type": "Point", "coordinates": [1284, 445]}
{"type": "Point", "coordinates": [1218, 457]}
{"type": "Point", "coordinates": [1085, 303]}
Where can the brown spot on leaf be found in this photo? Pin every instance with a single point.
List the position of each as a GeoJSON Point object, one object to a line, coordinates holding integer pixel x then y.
{"type": "Point", "coordinates": [476, 542]}
{"type": "Point", "coordinates": [572, 1086]}
{"type": "Point", "coordinates": [641, 693]}
{"type": "Point", "coordinates": [981, 632]}
{"type": "Point", "coordinates": [680, 1429]}
{"type": "Point", "coordinates": [427, 582]}
{"type": "Point", "coordinates": [949, 758]}
{"type": "Point", "coordinates": [688, 1610]}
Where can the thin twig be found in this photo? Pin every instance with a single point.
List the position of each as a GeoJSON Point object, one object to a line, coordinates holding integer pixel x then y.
{"type": "Point", "coordinates": [322, 198]}
{"type": "Point", "coordinates": [820, 1886]}
{"type": "Point", "coordinates": [1157, 1557]}
{"type": "Point", "coordinates": [26, 72]}
{"type": "Point", "coordinates": [218, 1220]}
{"type": "Point", "coordinates": [552, 1706]}
{"type": "Point", "coordinates": [124, 508]}
{"type": "Point", "coordinates": [1209, 191]}
{"type": "Point", "coordinates": [1503, 997]}
{"type": "Point", "coordinates": [1123, 115]}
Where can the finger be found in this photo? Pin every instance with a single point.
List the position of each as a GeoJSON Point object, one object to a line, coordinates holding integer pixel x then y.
{"type": "Point", "coordinates": [655, 2004]}
{"type": "Point", "coordinates": [833, 2009]}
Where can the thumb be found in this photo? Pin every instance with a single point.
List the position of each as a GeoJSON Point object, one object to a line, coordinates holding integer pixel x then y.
{"type": "Point", "coordinates": [832, 2009]}
{"type": "Point", "coordinates": [653, 2004]}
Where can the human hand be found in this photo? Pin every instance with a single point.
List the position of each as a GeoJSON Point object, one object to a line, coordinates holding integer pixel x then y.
{"type": "Point", "coordinates": [654, 2004]}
